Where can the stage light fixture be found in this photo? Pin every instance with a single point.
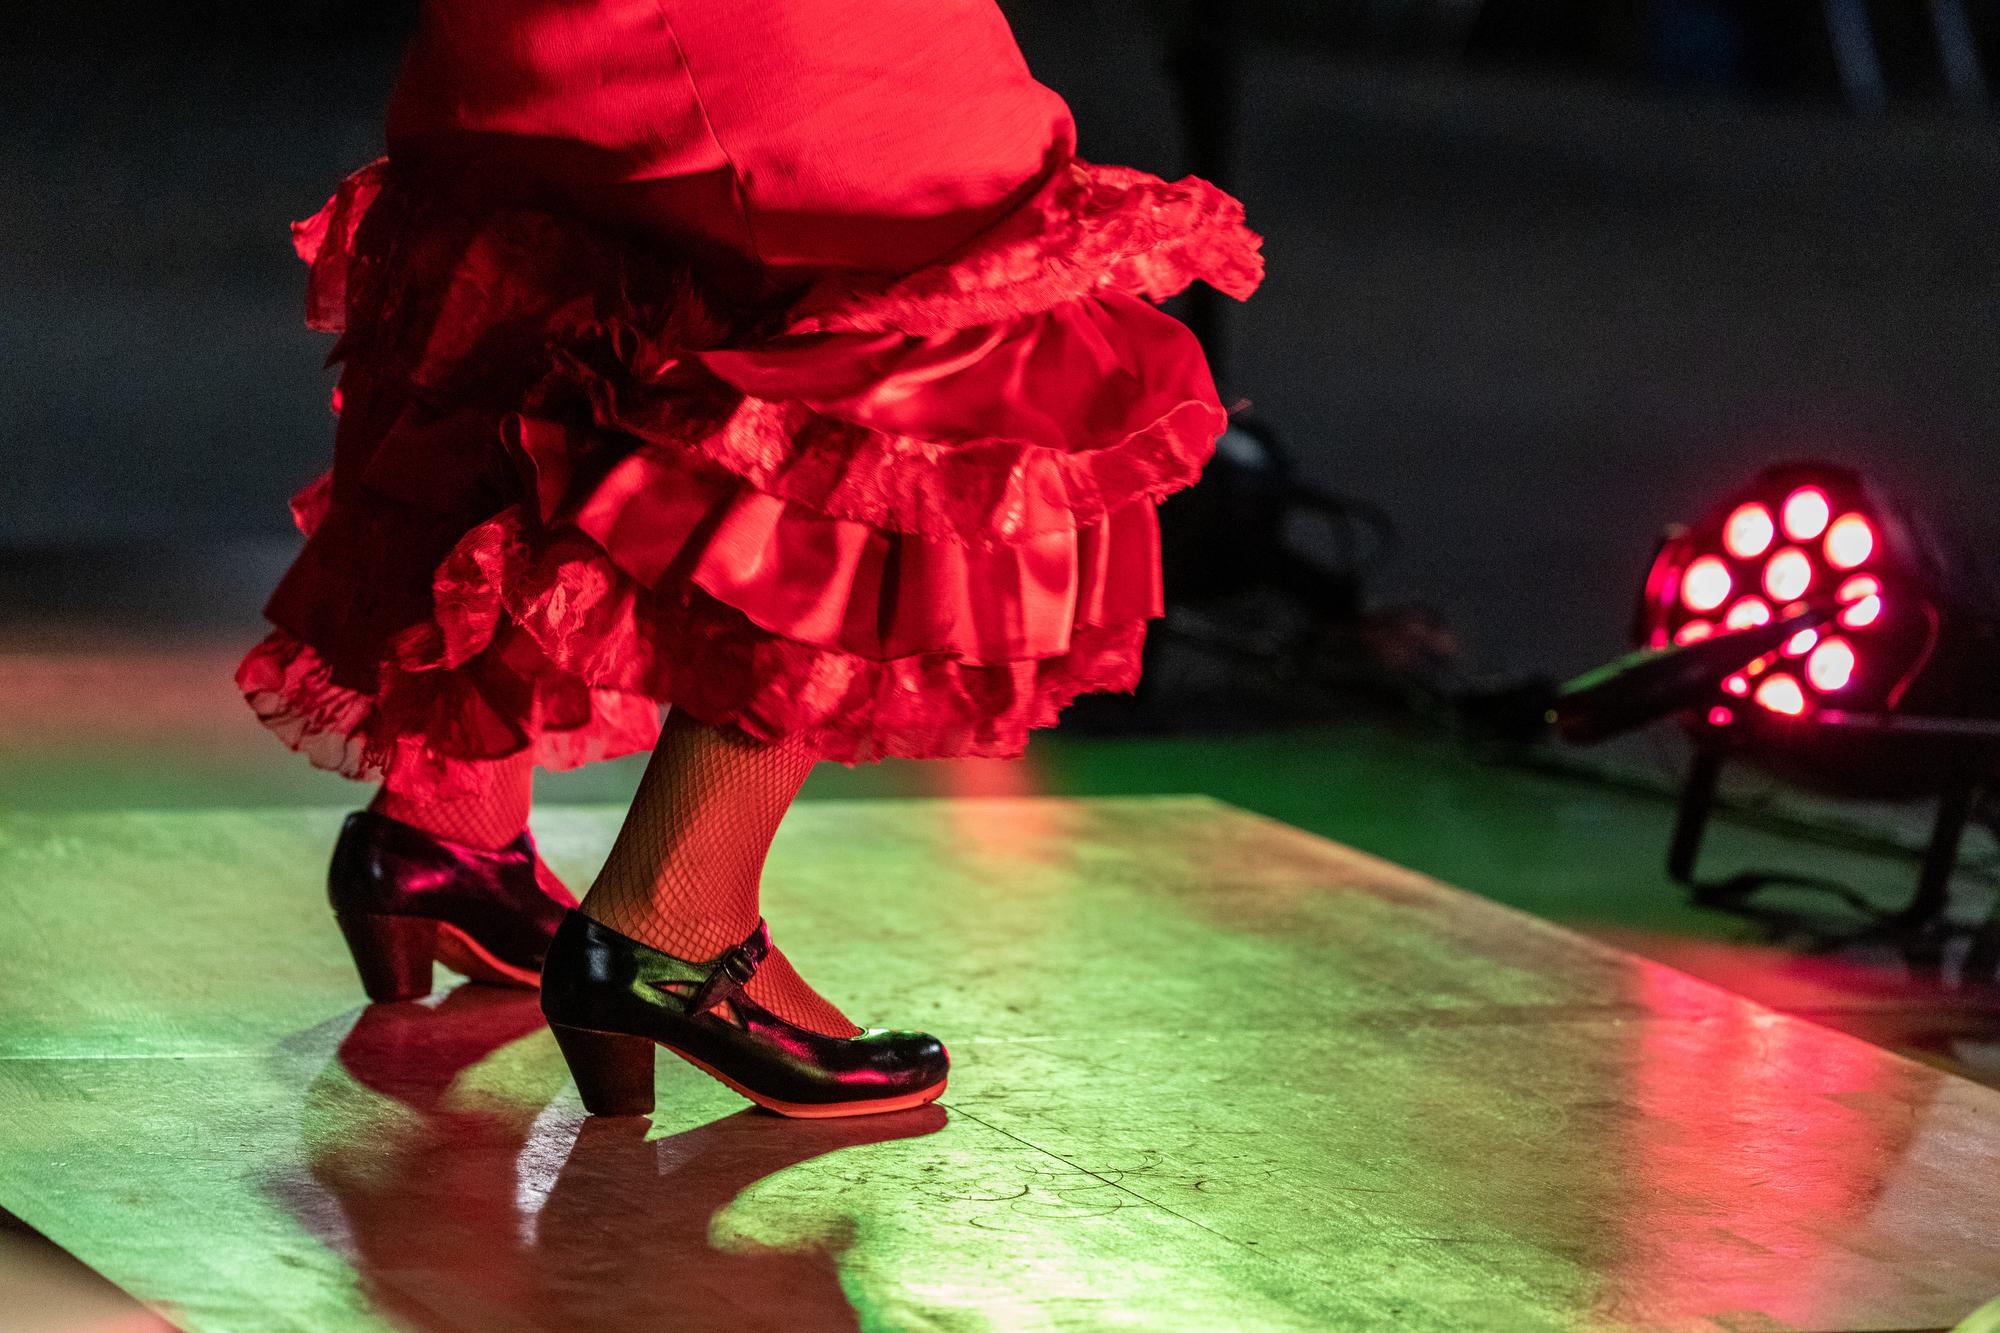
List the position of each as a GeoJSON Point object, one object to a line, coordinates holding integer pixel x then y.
{"type": "Point", "coordinates": [1885, 682]}
{"type": "Point", "coordinates": [1904, 605]}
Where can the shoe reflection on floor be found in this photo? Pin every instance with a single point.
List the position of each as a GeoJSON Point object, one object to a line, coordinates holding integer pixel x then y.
{"type": "Point", "coordinates": [450, 1165]}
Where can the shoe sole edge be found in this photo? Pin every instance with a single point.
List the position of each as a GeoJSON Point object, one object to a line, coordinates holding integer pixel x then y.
{"type": "Point", "coordinates": [465, 956]}
{"type": "Point", "coordinates": [818, 1110]}
{"type": "Point", "coordinates": [791, 1110]}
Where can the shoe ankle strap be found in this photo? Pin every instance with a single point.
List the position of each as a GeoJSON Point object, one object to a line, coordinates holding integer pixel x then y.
{"type": "Point", "coordinates": [731, 971]}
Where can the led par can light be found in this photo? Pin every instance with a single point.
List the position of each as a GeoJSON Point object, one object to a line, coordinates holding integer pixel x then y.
{"type": "Point", "coordinates": [1914, 634]}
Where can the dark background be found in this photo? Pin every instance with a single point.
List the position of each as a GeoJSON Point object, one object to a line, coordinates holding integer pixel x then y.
{"type": "Point", "coordinates": [1544, 275]}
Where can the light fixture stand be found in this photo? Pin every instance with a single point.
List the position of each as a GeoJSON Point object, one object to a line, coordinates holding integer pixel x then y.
{"type": "Point", "coordinates": [1970, 754]}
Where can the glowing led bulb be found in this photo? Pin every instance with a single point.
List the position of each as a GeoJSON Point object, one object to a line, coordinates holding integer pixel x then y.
{"type": "Point", "coordinates": [1706, 584]}
{"type": "Point", "coordinates": [1748, 532]}
{"type": "Point", "coordinates": [1788, 575]}
{"type": "Point", "coordinates": [1694, 632]}
{"type": "Point", "coordinates": [1849, 542]}
{"type": "Point", "coordinates": [1805, 514]}
{"type": "Point", "coordinates": [1831, 666]}
{"type": "Point", "coordinates": [1801, 643]}
{"type": "Point", "coordinates": [1782, 694]}
{"type": "Point", "coordinates": [1863, 595]}
{"type": "Point", "coordinates": [1747, 614]}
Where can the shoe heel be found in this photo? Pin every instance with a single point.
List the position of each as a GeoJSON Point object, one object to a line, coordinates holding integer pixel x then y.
{"type": "Point", "coordinates": [613, 1072]}
{"type": "Point", "coordinates": [392, 953]}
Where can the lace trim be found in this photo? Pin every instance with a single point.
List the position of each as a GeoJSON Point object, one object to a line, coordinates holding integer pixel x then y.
{"type": "Point", "coordinates": [548, 646]}
{"type": "Point", "coordinates": [1091, 227]}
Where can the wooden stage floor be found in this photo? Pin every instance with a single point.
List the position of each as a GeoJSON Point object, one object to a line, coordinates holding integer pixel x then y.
{"type": "Point", "coordinates": [1211, 1072]}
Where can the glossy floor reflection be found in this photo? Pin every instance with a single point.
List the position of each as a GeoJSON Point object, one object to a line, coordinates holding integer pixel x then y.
{"type": "Point", "coordinates": [468, 1207]}
{"type": "Point", "coordinates": [1211, 1072]}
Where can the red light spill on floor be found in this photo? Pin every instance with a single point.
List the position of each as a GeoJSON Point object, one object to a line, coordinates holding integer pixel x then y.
{"type": "Point", "coordinates": [1831, 666]}
{"type": "Point", "coordinates": [1715, 1079]}
{"type": "Point", "coordinates": [1849, 542]}
{"type": "Point", "coordinates": [1011, 831]}
{"type": "Point", "coordinates": [1805, 514]}
{"type": "Point", "coordinates": [1788, 575]}
{"type": "Point", "coordinates": [1782, 693]}
{"type": "Point", "coordinates": [1748, 532]}
{"type": "Point", "coordinates": [1694, 632]}
{"type": "Point", "coordinates": [1706, 584]}
{"type": "Point", "coordinates": [1747, 614]}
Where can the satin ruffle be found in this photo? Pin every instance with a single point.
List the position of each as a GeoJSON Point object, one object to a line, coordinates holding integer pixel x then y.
{"type": "Point", "coordinates": [913, 519]}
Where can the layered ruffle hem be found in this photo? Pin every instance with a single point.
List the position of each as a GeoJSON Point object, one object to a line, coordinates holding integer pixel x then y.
{"type": "Point", "coordinates": [900, 517]}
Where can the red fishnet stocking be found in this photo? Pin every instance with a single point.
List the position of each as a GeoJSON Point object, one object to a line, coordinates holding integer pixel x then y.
{"type": "Point", "coordinates": [683, 874]}
{"type": "Point", "coordinates": [491, 817]}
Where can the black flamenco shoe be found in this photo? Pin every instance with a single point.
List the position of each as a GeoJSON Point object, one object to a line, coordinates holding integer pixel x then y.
{"type": "Point", "coordinates": [404, 897]}
{"type": "Point", "coordinates": [611, 999]}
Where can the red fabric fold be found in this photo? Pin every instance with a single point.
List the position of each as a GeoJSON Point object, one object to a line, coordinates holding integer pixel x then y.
{"type": "Point", "coordinates": [326, 242]}
{"type": "Point", "coordinates": [849, 587]}
{"type": "Point", "coordinates": [907, 517]}
{"type": "Point", "coordinates": [1004, 433]}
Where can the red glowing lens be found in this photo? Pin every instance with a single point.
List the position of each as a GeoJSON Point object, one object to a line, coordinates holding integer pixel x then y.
{"type": "Point", "coordinates": [1737, 684]}
{"type": "Point", "coordinates": [1694, 632]}
{"type": "Point", "coordinates": [1747, 614]}
{"type": "Point", "coordinates": [1748, 532]}
{"type": "Point", "coordinates": [1782, 694]}
{"type": "Point", "coordinates": [1706, 584]}
{"type": "Point", "coordinates": [1849, 542]}
{"type": "Point", "coordinates": [1831, 666]}
{"type": "Point", "coordinates": [1863, 593]}
{"type": "Point", "coordinates": [1721, 716]}
{"type": "Point", "coordinates": [1788, 575]}
{"type": "Point", "coordinates": [1805, 514]}
{"type": "Point", "coordinates": [1801, 643]}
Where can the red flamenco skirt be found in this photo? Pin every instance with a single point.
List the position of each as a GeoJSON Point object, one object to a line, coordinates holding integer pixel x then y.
{"type": "Point", "coordinates": [912, 516]}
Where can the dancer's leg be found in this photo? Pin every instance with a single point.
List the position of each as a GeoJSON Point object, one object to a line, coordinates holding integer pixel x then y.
{"type": "Point", "coordinates": [491, 816]}
{"type": "Point", "coordinates": [683, 875]}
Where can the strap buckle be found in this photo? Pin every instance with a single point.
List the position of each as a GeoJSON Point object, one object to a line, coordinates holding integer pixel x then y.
{"type": "Point", "coordinates": [732, 970]}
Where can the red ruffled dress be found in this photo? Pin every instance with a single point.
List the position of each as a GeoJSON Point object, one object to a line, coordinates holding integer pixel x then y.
{"type": "Point", "coordinates": [772, 359]}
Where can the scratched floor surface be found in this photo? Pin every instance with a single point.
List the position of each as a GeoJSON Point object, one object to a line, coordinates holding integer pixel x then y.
{"type": "Point", "coordinates": [1211, 1073]}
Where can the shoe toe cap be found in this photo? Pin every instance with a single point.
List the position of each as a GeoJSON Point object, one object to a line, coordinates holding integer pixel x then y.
{"type": "Point", "coordinates": [915, 1059]}
{"type": "Point", "coordinates": [926, 1057]}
